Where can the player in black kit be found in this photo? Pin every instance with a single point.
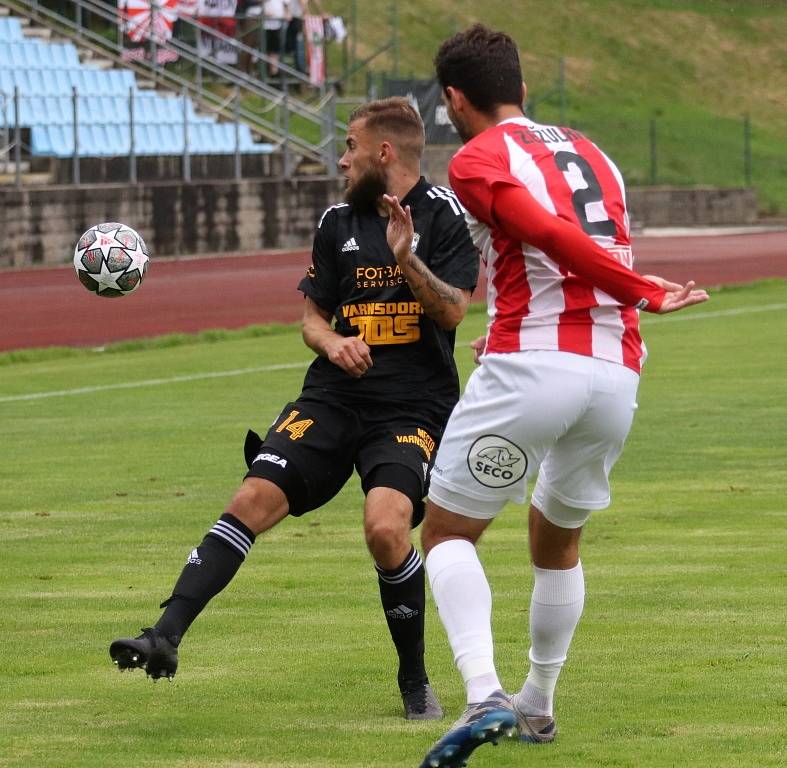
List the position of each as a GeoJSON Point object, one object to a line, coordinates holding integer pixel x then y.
{"type": "Point", "coordinates": [389, 283]}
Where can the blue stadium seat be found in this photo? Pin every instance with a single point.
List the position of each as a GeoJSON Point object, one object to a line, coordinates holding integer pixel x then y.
{"type": "Point", "coordinates": [120, 138]}
{"type": "Point", "coordinates": [62, 139]}
{"type": "Point", "coordinates": [23, 81]}
{"type": "Point", "coordinates": [46, 75]}
{"type": "Point", "coordinates": [144, 111]}
{"type": "Point", "coordinates": [24, 111]}
{"type": "Point", "coordinates": [33, 111]}
{"type": "Point", "coordinates": [94, 140]}
{"type": "Point", "coordinates": [143, 108]}
{"type": "Point", "coordinates": [201, 138]}
{"type": "Point", "coordinates": [38, 82]}
{"type": "Point", "coordinates": [173, 138]}
{"type": "Point", "coordinates": [59, 82]}
{"type": "Point", "coordinates": [68, 53]}
{"type": "Point", "coordinates": [92, 81]}
{"type": "Point", "coordinates": [40, 141]}
{"type": "Point", "coordinates": [149, 140]}
{"type": "Point", "coordinates": [26, 53]}
{"type": "Point", "coordinates": [76, 79]}
{"type": "Point", "coordinates": [143, 142]}
{"type": "Point", "coordinates": [10, 29]}
{"type": "Point", "coordinates": [6, 110]}
{"type": "Point", "coordinates": [122, 80]}
{"type": "Point", "coordinates": [5, 55]}
{"type": "Point", "coordinates": [6, 82]}
{"type": "Point", "coordinates": [247, 143]}
{"type": "Point", "coordinates": [40, 55]}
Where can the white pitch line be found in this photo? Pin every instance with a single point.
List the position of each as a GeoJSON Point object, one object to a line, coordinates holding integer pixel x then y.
{"type": "Point", "coordinates": [152, 382]}
{"type": "Point", "coordinates": [654, 319]}
{"type": "Point", "coordinates": [649, 320]}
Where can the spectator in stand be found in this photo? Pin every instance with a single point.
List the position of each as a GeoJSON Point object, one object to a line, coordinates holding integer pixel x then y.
{"type": "Point", "coordinates": [249, 17]}
{"type": "Point", "coordinates": [277, 16]}
{"type": "Point", "coordinates": [295, 43]}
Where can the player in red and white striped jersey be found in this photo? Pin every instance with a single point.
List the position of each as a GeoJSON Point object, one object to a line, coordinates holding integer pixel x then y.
{"type": "Point", "coordinates": [562, 302]}
{"type": "Point", "coordinates": [555, 392]}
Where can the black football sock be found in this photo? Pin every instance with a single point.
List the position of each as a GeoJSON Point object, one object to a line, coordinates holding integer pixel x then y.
{"type": "Point", "coordinates": [209, 568]}
{"type": "Point", "coordinates": [402, 596]}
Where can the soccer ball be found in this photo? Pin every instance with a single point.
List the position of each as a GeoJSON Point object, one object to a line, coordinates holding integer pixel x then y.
{"type": "Point", "coordinates": [111, 259]}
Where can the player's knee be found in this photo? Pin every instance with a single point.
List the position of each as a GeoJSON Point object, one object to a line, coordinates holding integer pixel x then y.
{"type": "Point", "coordinates": [557, 512]}
{"type": "Point", "coordinates": [259, 504]}
{"type": "Point", "coordinates": [431, 534]}
{"type": "Point", "coordinates": [387, 538]}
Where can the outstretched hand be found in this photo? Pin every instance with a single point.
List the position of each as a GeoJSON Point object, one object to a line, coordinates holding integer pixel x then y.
{"type": "Point", "coordinates": [678, 296]}
{"type": "Point", "coordinates": [400, 228]}
{"type": "Point", "coordinates": [478, 346]}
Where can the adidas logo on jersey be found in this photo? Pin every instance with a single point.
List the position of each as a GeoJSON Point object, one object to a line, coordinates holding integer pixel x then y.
{"type": "Point", "coordinates": [350, 245]}
{"type": "Point", "coordinates": [402, 612]}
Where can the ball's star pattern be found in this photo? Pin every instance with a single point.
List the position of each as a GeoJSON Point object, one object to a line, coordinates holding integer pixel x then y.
{"type": "Point", "coordinates": [106, 279]}
{"type": "Point", "coordinates": [106, 241]}
{"type": "Point", "coordinates": [138, 259]}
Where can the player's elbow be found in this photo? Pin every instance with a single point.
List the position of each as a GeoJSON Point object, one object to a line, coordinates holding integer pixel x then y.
{"type": "Point", "coordinates": [452, 314]}
{"type": "Point", "coordinates": [310, 335]}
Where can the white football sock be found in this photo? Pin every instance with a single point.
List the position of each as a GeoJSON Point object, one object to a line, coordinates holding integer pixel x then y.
{"type": "Point", "coordinates": [464, 602]}
{"type": "Point", "coordinates": [555, 608]}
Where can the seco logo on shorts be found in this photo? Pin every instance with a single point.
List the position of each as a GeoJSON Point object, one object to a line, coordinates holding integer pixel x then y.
{"type": "Point", "coordinates": [496, 462]}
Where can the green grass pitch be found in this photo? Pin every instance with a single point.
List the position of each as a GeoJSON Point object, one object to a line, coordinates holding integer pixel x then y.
{"type": "Point", "coordinates": [680, 659]}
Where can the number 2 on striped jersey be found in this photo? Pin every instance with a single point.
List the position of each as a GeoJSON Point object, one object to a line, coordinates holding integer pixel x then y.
{"type": "Point", "coordinates": [580, 198]}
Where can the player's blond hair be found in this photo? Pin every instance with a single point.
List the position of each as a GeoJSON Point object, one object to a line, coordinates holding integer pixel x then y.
{"type": "Point", "coordinates": [395, 120]}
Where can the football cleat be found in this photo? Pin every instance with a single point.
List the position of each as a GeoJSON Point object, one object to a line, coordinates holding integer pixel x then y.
{"type": "Point", "coordinates": [151, 651]}
{"type": "Point", "coordinates": [481, 723]}
{"type": "Point", "coordinates": [534, 729]}
{"type": "Point", "coordinates": [420, 703]}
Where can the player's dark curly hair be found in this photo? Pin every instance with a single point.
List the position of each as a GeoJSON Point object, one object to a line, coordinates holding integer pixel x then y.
{"type": "Point", "coordinates": [484, 65]}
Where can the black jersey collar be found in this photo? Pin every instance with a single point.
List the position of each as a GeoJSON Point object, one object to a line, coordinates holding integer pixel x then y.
{"type": "Point", "coordinates": [417, 193]}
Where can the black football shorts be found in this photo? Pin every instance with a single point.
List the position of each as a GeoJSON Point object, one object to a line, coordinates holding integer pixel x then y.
{"type": "Point", "coordinates": [313, 446]}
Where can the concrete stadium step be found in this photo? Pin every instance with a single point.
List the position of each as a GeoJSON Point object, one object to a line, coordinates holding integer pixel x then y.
{"type": "Point", "coordinates": [27, 179]}
{"type": "Point", "coordinates": [38, 33]}
{"type": "Point", "coordinates": [9, 168]}
{"type": "Point", "coordinates": [91, 58]}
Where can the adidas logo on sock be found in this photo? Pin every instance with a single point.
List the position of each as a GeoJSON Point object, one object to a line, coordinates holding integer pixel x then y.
{"type": "Point", "coordinates": [350, 245]}
{"type": "Point", "coordinates": [194, 558]}
{"type": "Point", "coordinates": [402, 612]}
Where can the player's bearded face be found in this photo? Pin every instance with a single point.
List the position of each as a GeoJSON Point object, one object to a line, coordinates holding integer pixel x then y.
{"type": "Point", "coordinates": [365, 188]}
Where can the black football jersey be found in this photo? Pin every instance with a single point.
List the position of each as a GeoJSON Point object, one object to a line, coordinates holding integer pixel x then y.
{"type": "Point", "coordinates": [354, 275]}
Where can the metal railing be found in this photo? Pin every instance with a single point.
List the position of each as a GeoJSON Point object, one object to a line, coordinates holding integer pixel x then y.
{"type": "Point", "coordinates": [11, 147]}
{"type": "Point", "coordinates": [269, 112]}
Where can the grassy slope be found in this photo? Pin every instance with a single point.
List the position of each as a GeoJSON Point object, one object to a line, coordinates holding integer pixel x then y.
{"type": "Point", "coordinates": [679, 660]}
{"type": "Point", "coordinates": [695, 66]}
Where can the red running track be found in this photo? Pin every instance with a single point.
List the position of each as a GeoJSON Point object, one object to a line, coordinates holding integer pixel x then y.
{"type": "Point", "coordinates": [49, 307]}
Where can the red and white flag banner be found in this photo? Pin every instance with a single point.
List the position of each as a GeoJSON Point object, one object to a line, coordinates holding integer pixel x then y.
{"type": "Point", "coordinates": [314, 32]}
{"type": "Point", "coordinates": [143, 21]}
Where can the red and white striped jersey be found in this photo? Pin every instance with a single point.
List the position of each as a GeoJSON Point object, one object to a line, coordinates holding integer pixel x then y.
{"type": "Point", "coordinates": [534, 300]}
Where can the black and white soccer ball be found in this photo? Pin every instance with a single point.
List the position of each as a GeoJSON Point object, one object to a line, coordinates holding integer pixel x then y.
{"type": "Point", "coordinates": [111, 259]}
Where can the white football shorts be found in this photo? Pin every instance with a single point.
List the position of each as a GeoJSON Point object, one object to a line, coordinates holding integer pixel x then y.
{"type": "Point", "coordinates": [559, 416]}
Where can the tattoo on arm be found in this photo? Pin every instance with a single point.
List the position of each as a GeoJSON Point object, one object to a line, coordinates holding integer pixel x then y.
{"type": "Point", "coordinates": [439, 300]}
